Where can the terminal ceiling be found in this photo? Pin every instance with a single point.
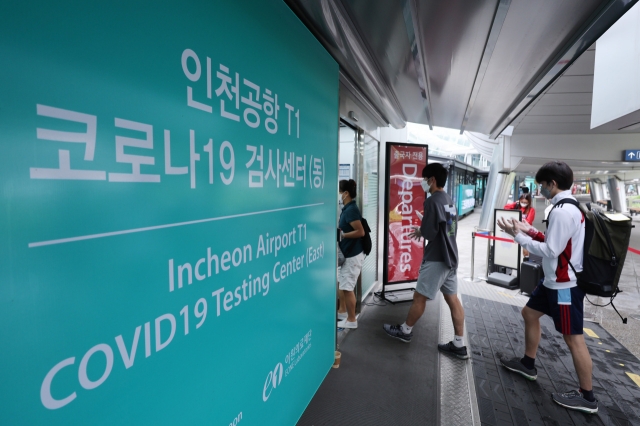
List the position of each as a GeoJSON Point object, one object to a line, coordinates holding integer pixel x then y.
{"type": "Point", "coordinates": [477, 65]}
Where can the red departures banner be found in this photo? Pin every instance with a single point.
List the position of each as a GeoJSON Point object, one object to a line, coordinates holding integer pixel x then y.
{"type": "Point", "coordinates": [405, 204]}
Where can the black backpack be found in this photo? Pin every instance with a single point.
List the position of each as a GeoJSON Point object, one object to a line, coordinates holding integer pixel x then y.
{"type": "Point", "coordinates": [366, 239]}
{"type": "Point", "coordinates": [605, 248]}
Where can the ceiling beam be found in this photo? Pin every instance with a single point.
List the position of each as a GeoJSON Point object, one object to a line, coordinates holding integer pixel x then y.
{"type": "Point", "coordinates": [597, 25]}
{"type": "Point", "coordinates": [492, 39]}
{"type": "Point", "coordinates": [357, 94]}
{"type": "Point", "coordinates": [414, 33]}
{"type": "Point", "coordinates": [354, 57]}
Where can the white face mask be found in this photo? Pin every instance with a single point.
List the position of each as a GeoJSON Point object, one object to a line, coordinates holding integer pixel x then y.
{"type": "Point", "coordinates": [340, 201]}
{"type": "Point", "coordinates": [525, 205]}
{"type": "Point", "coordinates": [425, 185]}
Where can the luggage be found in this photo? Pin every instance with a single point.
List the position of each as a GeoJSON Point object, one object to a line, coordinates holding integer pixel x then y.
{"type": "Point", "coordinates": [530, 276]}
{"type": "Point", "coordinates": [606, 241]}
{"type": "Point", "coordinates": [503, 280]}
{"type": "Point", "coordinates": [535, 259]}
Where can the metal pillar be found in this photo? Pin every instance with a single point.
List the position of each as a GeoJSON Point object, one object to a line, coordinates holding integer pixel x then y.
{"type": "Point", "coordinates": [594, 193]}
{"type": "Point", "coordinates": [471, 278]}
{"type": "Point", "coordinates": [597, 193]}
{"type": "Point", "coordinates": [499, 186]}
{"type": "Point", "coordinates": [617, 194]}
{"type": "Point", "coordinates": [358, 159]}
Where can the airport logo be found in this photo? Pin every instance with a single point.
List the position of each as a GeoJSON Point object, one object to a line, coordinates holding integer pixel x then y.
{"type": "Point", "coordinates": [274, 378]}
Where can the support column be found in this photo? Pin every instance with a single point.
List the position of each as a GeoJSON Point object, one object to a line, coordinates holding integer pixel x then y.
{"type": "Point", "coordinates": [499, 186]}
{"type": "Point", "coordinates": [597, 193]}
{"type": "Point", "coordinates": [617, 194]}
{"type": "Point", "coordinates": [592, 191]}
{"type": "Point", "coordinates": [358, 159]}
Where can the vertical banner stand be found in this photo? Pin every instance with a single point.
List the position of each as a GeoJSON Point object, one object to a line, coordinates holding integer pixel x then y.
{"type": "Point", "coordinates": [403, 200]}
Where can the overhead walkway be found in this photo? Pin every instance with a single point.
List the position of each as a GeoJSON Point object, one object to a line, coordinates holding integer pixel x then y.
{"type": "Point", "coordinates": [382, 381]}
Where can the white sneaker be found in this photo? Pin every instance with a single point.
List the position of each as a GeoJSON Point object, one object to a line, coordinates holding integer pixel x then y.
{"type": "Point", "coordinates": [342, 316]}
{"type": "Point", "coordinates": [348, 324]}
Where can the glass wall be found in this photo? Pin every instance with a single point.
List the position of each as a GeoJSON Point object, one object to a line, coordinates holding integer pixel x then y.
{"type": "Point", "coordinates": [370, 210]}
{"type": "Point", "coordinates": [359, 161]}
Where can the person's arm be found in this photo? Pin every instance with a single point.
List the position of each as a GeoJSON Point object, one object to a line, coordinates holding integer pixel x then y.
{"type": "Point", "coordinates": [358, 230]}
{"type": "Point", "coordinates": [510, 206]}
{"type": "Point", "coordinates": [536, 235]}
{"type": "Point", "coordinates": [558, 234]}
{"type": "Point", "coordinates": [431, 222]}
{"type": "Point", "coordinates": [531, 216]}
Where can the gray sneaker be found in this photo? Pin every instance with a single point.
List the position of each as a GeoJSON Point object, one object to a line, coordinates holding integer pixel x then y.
{"type": "Point", "coordinates": [516, 366]}
{"type": "Point", "coordinates": [396, 332]}
{"type": "Point", "coordinates": [451, 349]}
{"type": "Point", "coordinates": [574, 400]}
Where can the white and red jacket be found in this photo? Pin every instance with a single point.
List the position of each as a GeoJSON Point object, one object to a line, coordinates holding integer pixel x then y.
{"type": "Point", "coordinates": [565, 234]}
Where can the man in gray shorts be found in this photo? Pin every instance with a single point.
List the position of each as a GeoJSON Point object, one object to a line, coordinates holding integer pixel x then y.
{"type": "Point", "coordinates": [438, 271]}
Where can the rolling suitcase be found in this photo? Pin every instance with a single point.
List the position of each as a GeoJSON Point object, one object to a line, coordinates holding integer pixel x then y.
{"type": "Point", "coordinates": [503, 280]}
{"type": "Point", "coordinates": [530, 276]}
{"type": "Point", "coordinates": [535, 259]}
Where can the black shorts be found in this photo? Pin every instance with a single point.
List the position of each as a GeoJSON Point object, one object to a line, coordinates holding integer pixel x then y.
{"type": "Point", "coordinates": [566, 307]}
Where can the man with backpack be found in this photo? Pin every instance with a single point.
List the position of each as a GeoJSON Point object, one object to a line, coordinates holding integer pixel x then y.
{"type": "Point", "coordinates": [438, 271]}
{"type": "Point", "coordinates": [558, 295]}
{"type": "Point", "coordinates": [350, 233]}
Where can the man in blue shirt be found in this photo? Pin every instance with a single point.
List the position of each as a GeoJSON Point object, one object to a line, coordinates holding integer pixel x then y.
{"type": "Point", "coordinates": [351, 230]}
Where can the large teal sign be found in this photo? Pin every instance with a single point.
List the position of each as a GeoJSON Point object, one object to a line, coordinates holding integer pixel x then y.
{"type": "Point", "coordinates": [167, 213]}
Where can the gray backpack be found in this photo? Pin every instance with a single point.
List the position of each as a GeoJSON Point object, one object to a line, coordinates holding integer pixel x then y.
{"type": "Point", "coordinates": [605, 248]}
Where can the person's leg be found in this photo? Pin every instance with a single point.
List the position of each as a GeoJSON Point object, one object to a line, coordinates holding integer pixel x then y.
{"type": "Point", "coordinates": [531, 331]}
{"type": "Point", "coordinates": [537, 306]}
{"type": "Point", "coordinates": [457, 313]}
{"type": "Point", "coordinates": [342, 308]}
{"type": "Point", "coordinates": [583, 400]}
{"type": "Point", "coordinates": [349, 272]}
{"type": "Point", "coordinates": [570, 324]}
{"type": "Point", "coordinates": [431, 277]}
{"type": "Point", "coordinates": [417, 308]}
{"type": "Point", "coordinates": [350, 301]}
{"type": "Point", "coordinates": [429, 280]}
{"type": "Point", "coordinates": [449, 289]}
{"type": "Point", "coordinates": [581, 359]}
